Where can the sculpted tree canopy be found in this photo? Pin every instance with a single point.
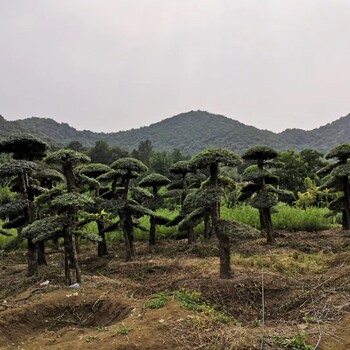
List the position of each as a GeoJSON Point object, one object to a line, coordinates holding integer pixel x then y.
{"type": "Point", "coordinates": [259, 187]}
{"type": "Point", "coordinates": [24, 146]}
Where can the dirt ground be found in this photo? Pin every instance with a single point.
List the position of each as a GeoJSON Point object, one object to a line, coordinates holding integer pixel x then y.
{"type": "Point", "coordinates": [295, 295]}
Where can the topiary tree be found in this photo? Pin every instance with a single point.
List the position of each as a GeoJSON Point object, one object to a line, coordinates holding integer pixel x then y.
{"type": "Point", "coordinates": [130, 168]}
{"type": "Point", "coordinates": [182, 168]}
{"type": "Point", "coordinates": [259, 187]}
{"type": "Point", "coordinates": [67, 160]}
{"type": "Point", "coordinates": [25, 149]}
{"type": "Point", "coordinates": [208, 197]}
{"type": "Point", "coordinates": [62, 222]}
{"type": "Point", "coordinates": [94, 171]}
{"type": "Point", "coordinates": [211, 159]}
{"type": "Point", "coordinates": [155, 181]}
{"type": "Point", "coordinates": [338, 181]}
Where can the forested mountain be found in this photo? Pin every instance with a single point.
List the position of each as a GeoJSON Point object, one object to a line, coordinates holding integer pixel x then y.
{"type": "Point", "coordinates": [191, 132]}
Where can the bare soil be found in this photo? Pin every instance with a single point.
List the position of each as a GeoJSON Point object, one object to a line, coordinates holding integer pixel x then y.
{"type": "Point", "coordinates": [304, 282]}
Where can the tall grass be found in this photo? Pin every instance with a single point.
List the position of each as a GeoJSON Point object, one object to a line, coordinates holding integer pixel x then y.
{"type": "Point", "coordinates": [285, 217]}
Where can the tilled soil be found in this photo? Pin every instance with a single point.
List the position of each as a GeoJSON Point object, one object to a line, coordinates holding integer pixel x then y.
{"type": "Point", "coordinates": [297, 291]}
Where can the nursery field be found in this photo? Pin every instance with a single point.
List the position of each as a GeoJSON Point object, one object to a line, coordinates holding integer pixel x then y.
{"type": "Point", "coordinates": [294, 295]}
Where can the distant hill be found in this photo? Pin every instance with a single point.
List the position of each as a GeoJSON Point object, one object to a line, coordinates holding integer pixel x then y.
{"type": "Point", "coordinates": [191, 132]}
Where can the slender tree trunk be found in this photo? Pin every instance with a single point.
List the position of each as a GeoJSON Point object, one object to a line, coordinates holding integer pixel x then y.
{"type": "Point", "coordinates": [346, 222]}
{"type": "Point", "coordinates": [128, 230]}
{"type": "Point", "coordinates": [225, 257]}
{"type": "Point", "coordinates": [268, 227]}
{"type": "Point", "coordinates": [101, 246]}
{"type": "Point", "coordinates": [207, 226]}
{"type": "Point", "coordinates": [32, 258]}
{"type": "Point", "coordinates": [191, 235]}
{"type": "Point", "coordinates": [152, 231]}
{"type": "Point", "coordinates": [41, 254]}
{"type": "Point", "coordinates": [71, 257]}
{"type": "Point", "coordinates": [262, 219]}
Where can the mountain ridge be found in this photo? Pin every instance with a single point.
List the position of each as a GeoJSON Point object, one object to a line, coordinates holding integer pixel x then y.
{"type": "Point", "coordinates": [191, 132]}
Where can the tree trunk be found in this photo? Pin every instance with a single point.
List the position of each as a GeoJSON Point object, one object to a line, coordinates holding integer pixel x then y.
{"type": "Point", "coordinates": [101, 246]}
{"type": "Point", "coordinates": [152, 231]}
{"type": "Point", "coordinates": [41, 254]}
{"type": "Point", "coordinates": [346, 221]}
{"type": "Point", "coordinates": [225, 258]}
{"type": "Point", "coordinates": [262, 219]}
{"type": "Point", "coordinates": [32, 258]}
{"type": "Point", "coordinates": [207, 226]}
{"type": "Point", "coordinates": [71, 257]}
{"type": "Point", "coordinates": [128, 230]}
{"type": "Point", "coordinates": [191, 235]}
{"type": "Point", "coordinates": [268, 227]}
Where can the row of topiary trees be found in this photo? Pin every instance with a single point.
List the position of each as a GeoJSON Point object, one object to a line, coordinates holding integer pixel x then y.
{"type": "Point", "coordinates": [60, 193]}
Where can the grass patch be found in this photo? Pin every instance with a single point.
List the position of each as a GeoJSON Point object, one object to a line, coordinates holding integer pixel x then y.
{"type": "Point", "coordinates": [288, 263]}
{"type": "Point", "coordinates": [192, 301]}
{"type": "Point", "coordinates": [288, 218]}
{"type": "Point", "coordinates": [123, 330]}
{"type": "Point", "coordinates": [297, 342]}
{"type": "Point", "coordinates": [157, 301]}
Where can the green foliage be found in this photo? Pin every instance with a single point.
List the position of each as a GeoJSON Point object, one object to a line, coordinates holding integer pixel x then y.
{"type": "Point", "coordinates": [297, 342]}
{"type": "Point", "coordinates": [260, 153]}
{"type": "Point", "coordinates": [154, 179]}
{"type": "Point", "coordinates": [157, 301]}
{"type": "Point", "coordinates": [193, 301]}
{"type": "Point", "coordinates": [16, 167]}
{"type": "Point", "coordinates": [311, 219]}
{"type": "Point", "coordinates": [313, 196]}
{"type": "Point", "coordinates": [13, 208]}
{"type": "Point", "coordinates": [69, 201]}
{"type": "Point", "coordinates": [93, 170]}
{"type": "Point", "coordinates": [6, 195]}
{"type": "Point", "coordinates": [340, 152]}
{"type": "Point", "coordinates": [123, 330]}
{"type": "Point", "coordinates": [237, 231]}
{"type": "Point", "coordinates": [286, 217]}
{"type": "Point", "coordinates": [103, 153]}
{"type": "Point", "coordinates": [129, 164]}
{"type": "Point", "coordinates": [215, 156]}
{"type": "Point", "coordinates": [44, 229]}
{"type": "Point", "coordinates": [182, 167]}
{"type": "Point", "coordinates": [67, 156]}
{"type": "Point", "coordinates": [24, 146]}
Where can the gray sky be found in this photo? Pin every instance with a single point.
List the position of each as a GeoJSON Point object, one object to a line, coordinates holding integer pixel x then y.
{"type": "Point", "coordinates": [110, 65]}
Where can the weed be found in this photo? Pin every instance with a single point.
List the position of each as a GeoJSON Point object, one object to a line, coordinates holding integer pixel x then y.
{"type": "Point", "coordinates": [192, 301]}
{"type": "Point", "coordinates": [157, 301]}
{"type": "Point", "coordinates": [124, 330]}
{"type": "Point", "coordinates": [102, 329]}
{"type": "Point", "coordinates": [294, 343]}
{"type": "Point", "coordinates": [91, 338]}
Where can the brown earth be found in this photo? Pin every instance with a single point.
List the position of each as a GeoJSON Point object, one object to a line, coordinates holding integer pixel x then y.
{"type": "Point", "coordinates": [304, 281]}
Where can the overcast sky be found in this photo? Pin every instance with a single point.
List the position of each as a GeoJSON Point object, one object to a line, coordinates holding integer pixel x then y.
{"type": "Point", "coordinates": [110, 65]}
